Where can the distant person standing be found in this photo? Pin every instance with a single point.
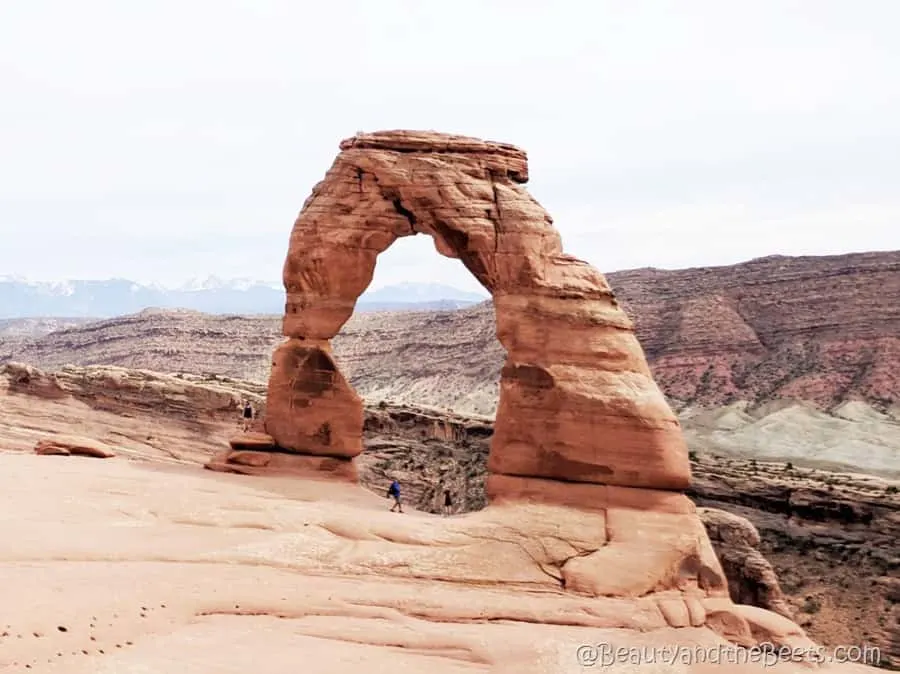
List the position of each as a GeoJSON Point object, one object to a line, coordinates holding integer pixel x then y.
{"type": "Point", "coordinates": [248, 416]}
{"type": "Point", "coordinates": [394, 492]}
{"type": "Point", "coordinates": [448, 502]}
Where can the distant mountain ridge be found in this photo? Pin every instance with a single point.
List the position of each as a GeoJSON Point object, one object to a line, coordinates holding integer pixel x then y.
{"type": "Point", "coordinates": [20, 298]}
{"type": "Point", "coordinates": [824, 330]}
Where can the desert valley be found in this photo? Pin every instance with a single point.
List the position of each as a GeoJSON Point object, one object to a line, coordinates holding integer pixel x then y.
{"type": "Point", "coordinates": [702, 458]}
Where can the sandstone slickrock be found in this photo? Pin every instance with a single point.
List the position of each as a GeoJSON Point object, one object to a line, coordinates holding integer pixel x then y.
{"type": "Point", "coordinates": [225, 573]}
{"type": "Point", "coordinates": [577, 400]}
{"type": "Point", "coordinates": [527, 565]}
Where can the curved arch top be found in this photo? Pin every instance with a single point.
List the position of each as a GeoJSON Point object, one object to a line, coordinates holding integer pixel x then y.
{"type": "Point", "coordinates": [577, 400]}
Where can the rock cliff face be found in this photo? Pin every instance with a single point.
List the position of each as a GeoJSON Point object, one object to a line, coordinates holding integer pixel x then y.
{"type": "Point", "coordinates": [577, 399]}
{"type": "Point", "coordinates": [819, 329]}
{"type": "Point", "coordinates": [833, 539]}
{"type": "Point", "coordinates": [159, 340]}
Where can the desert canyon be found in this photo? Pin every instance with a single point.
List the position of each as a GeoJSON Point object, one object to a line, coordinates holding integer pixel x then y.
{"type": "Point", "coordinates": [147, 534]}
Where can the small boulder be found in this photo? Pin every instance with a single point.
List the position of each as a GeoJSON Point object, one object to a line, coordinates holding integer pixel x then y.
{"type": "Point", "coordinates": [751, 577]}
{"type": "Point", "coordinates": [66, 446]}
{"type": "Point", "coordinates": [247, 458]}
{"type": "Point", "coordinates": [46, 448]}
{"type": "Point", "coordinates": [253, 441]}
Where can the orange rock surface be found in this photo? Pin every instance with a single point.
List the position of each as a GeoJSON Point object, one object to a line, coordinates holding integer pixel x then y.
{"type": "Point", "coordinates": [577, 400]}
{"type": "Point", "coordinates": [123, 567]}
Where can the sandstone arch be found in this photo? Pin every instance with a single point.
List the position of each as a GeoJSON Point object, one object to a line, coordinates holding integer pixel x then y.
{"type": "Point", "coordinates": [580, 421]}
{"type": "Point", "coordinates": [577, 402]}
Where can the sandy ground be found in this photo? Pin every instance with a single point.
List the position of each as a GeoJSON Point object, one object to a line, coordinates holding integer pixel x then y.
{"type": "Point", "coordinates": [114, 566]}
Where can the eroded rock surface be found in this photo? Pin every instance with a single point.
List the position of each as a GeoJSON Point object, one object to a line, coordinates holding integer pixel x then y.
{"type": "Point", "coordinates": [751, 578]}
{"type": "Point", "coordinates": [582, 430]}
{"type": "Point", "coordinates": [222, 573]}
{"type": "Point", "coordinates": [577, 400]}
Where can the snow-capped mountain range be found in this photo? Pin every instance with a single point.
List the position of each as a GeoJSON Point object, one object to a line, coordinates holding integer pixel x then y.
{"type": "Point", "coordinates": [22, 298]}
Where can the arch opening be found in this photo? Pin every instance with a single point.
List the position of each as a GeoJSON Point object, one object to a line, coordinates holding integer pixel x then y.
{"type": "Point", "coordinates": [429, 377]}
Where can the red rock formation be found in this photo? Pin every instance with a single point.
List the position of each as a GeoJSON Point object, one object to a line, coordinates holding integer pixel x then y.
{"type": "Point", "coordinates": [577, 400]}
{"type": "Point", "coordinates": [581, 430]}
{"type": "Point", "coordinates": [775, 327]}
{"type": "Point", "coordinates": [751, 578]}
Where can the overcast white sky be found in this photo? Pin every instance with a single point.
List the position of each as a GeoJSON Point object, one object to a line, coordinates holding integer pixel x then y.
{"type": "Point", "coordinates": [165, 140]}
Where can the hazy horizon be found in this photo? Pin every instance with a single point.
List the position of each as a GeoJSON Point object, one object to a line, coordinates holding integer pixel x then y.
{"type": "Point", "coordinates": [376, 283]}
{"type": "Point", "coordinates": [168, 141]}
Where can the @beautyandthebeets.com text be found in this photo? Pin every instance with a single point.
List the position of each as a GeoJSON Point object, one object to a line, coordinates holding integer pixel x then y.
{"type": "Point", "coordinates": [767, 655]}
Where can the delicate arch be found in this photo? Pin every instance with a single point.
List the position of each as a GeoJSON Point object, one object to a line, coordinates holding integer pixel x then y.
{"type": "Point", "coordinates": [577, 400]}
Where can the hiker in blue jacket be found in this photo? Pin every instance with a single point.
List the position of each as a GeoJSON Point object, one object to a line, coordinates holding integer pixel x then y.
{"type": "Point", "coordinates": [394, 491]}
